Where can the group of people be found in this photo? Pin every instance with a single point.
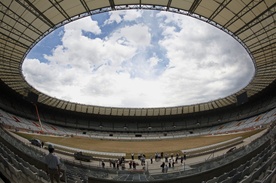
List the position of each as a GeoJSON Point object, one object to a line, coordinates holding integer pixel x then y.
{"type": "Point", "coordinates": [167, 157]}
{"type": "Point", "coordinates": [170, 161]}
{"type": "Point", "coordinates": [132, 164]}
{"type": "Point", "coordinates": [120, 163]}
{"type": "Point", "coordinates": [53, 162]}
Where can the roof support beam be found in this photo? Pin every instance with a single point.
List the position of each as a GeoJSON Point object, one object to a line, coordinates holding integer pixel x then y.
{"type": "Point", "coordinates": [12, 15]}
{"type": "Point", "coordinates": [16, 32]}
{"type": "Point", "coordinates": [84, 4]}
{"type": "Point", "coordinates": [263, 48]}
{"type": "Point", "coordinates": [9, 58]}
{"type": "Point", "coordinates": [265, 30]}
{"type": "Point", "coordinates": [266, 14]}
{"type": "Point", "coordinates": [112, 4]}
{"type": "Point", "coordinates": [222, 5]}
{"type": "Point", "coordinates": [194, 6]}
{"type": "Point", "coordinates": [13, 41]}
{"type": "Point", "coordinates": [31, 8]}
{"type": "Point", "coordinates": [168, 5]}
{"type": "Point", "coordinates": [242, 12]}
{"type": "Point", "coordinates": [59, 8]}
{"type": "Point", "coordinates": [6, 49]}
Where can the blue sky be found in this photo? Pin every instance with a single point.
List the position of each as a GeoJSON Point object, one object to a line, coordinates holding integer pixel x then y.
{"type": "Point", "coordinates": [138, 58]}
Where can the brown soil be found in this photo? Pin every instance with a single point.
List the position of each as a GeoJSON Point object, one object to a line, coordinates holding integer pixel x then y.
{"type": "Point", "coordinates": [147, 147]}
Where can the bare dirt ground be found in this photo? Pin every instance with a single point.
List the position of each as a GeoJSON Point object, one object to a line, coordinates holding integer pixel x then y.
{"type": "Point", "coordinates": [147, 147]}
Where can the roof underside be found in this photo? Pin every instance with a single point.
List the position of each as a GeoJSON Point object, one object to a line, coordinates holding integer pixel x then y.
{"type": "Point", "coordinates": [24, 22]}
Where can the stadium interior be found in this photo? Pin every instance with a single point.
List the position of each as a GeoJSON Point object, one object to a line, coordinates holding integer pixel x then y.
{"type": "Point", "coordinates": [24, 110]}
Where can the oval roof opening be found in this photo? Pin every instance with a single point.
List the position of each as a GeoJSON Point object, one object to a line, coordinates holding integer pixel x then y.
{"type": "Point", "coordinates": [138, 58]}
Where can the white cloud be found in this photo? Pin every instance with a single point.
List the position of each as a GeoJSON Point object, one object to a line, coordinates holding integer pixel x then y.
{"type": "Point", "coordinates": [153, 61]}
{"type": "Point", "coordinates": [187, 62]}
{"type": "Point", "coordinates": [119, 16]}
{"type": "Point", "coordinates": [132, 15]}
{"type": "Point", "coordinates": [84, 24]}
{"type": "Point", "coordinates": [136, 35]}
{"type": "Point", "coordinates": [115, 16]}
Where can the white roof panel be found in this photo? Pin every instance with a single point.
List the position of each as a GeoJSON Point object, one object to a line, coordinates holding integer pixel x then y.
{"type": "Point", "coordinates": [184, 5]}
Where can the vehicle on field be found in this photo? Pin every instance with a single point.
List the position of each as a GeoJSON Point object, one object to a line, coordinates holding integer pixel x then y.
{"type": "Point", "coordinates": [82, 157]}
{"type": "Point", "coordinates": [36, 142]}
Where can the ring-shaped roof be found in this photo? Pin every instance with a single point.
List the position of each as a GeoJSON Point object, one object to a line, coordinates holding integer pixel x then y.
{"type": "Point", "coordinates": [23, 23]}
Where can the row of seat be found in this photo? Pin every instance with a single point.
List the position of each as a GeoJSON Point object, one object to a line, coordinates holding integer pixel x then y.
{"type": "Point", "coordinates": [269, 175]}
{"type": "Point", "coordinates": [257, 170]}
{"type": "Point", "coordinates": [248, 171]}
{"type": "Point", "coordinates": [259, 120]}
{"type": "Point", "coordinates": [72, 173]}
{"type": "Point", "coordinates": [21, 169]}
{"type": "Point", "coordinates": [29, 125]}
{"type": "Point", "coordinates": [235, 155]}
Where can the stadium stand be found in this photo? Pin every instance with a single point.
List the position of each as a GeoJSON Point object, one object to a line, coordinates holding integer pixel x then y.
{"type": "Point", "coordinates": [251, 170]}
{"type": "Point", "coordinates": [262, 162]}
{"type": "Point", "coordinates": [235, 126]}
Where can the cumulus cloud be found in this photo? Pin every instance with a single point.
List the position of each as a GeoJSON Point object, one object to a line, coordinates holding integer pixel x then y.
{"type": "Point", "coordinates": [159, 60]}
{"type": "Point", "coordinates": [119, 16]}
{"type": "Point", "coordinates": [114, 17]}
{"type": "Point", "coordinates": [135, 35]}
